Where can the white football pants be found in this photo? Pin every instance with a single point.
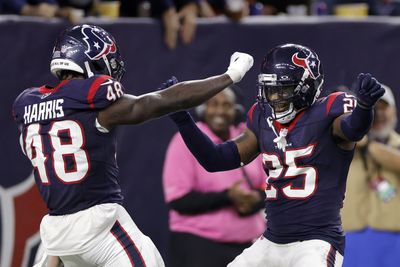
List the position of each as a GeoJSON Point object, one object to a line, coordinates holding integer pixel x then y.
{"type": "Point", "coordinates": [103, 235]}
{"type": "Point", "coordinates": [309, 253]}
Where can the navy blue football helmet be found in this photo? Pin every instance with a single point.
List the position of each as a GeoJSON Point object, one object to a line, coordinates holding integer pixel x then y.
{"type": "Point", "coordinates": [88, 50]}
{"type": "Point", "coordinates": [290, 80]}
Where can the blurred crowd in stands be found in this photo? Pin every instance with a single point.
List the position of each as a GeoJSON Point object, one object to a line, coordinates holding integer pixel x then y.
{"type": "Point", "coordinates": [179, 16]}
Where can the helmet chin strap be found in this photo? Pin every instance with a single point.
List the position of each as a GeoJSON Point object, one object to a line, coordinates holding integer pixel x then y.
{"type": "Point", "coordinates": [88, 70]}
{"type": "Point", "coordinates": [107, 65]}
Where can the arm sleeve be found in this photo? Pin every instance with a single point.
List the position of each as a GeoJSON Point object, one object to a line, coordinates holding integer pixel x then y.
{"type": "Point", "coordinates": [359, 120]}
{"type": "Point", "coordinates": [212, 157]}
{"type": "Point", "coordinates": [199, 202]}
{"type": "Point", "coordinates": [357, 124]}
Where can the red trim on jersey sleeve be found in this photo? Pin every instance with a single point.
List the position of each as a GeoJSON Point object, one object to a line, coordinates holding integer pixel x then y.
{"type": "Point", "coordinates": [45, 89]}
{"type": "Point", "coordinates": [94, 88]}
{"type": "Point", "coordinates": [331, 99]}
{"type": "Point", "coordinates": [251, 111]}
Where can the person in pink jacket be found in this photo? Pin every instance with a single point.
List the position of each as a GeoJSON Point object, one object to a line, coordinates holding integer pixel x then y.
{"type": "Point", "coordinates": [213, 216]}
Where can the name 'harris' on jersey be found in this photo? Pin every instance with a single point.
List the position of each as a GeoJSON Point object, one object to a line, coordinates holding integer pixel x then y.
{"type": "Point", "coordinates": [74, 162]}
{"type": "Point", "coordinates": [306, 180]}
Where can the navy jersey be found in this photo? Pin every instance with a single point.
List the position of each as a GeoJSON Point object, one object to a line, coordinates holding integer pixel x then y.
{"type": "Point", "coordinates": [306, 182]}
{"type": "Point", "coordinates": [74, 162]}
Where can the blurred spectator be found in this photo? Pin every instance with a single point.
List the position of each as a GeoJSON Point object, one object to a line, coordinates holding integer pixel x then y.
{"type": "Point", "coordinates": [275, 7]}
{"type": "Point", "coordinates": [322, 7]}
{"type": "Point", "coordinates": [213, 216]}
{"type": "Point", "coordinates": [390, 7]}
{"type": "Point", "coordinates": [233, 9]}
{"type": "Point", "coordinates": [371, 214]}
{"type": "Point", "coordinates": [106, 8]}
{"type": "Point", "coordinates": [178, 16]}
{"type": "Point", "coordinates": [40, 8]}
{"type": "Point", "coordinates": [44, 8]}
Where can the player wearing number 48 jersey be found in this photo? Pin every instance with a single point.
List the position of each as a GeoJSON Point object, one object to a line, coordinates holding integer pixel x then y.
{"type": "Point", "coordinates": [67, 132]}
{"type": "Point", "coordinates": [307, 145]}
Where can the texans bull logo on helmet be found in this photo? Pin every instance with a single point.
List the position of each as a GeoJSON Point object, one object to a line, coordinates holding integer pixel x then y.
{"type": "Point", "coordinates": [98, 44]}
{"type": "Point", "coordinates": [310, 63]}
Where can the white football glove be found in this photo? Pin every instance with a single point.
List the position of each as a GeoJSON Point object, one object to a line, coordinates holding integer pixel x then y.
{"type": "Point", "coordinates": [239, 65]}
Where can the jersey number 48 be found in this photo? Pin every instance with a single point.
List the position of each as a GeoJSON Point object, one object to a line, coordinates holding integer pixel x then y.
{"type": "Point", "coordinates": [71, 148]}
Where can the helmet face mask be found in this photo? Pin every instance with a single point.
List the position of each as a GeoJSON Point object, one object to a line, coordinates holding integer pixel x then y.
{"type": "Point", "coordinates": [88, 50]}
{"type": "Point", "coordinates": [290, 81]}
{"type": "Point", "coordinates": [281, 99]}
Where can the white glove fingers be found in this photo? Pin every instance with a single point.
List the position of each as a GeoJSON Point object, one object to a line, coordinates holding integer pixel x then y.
{"type": "Point", "coordinates": [240, 63]}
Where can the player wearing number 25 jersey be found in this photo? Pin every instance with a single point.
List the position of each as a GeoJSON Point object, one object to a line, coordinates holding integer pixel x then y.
{"type": "Point", "coordinates": [67, 132]}
{"type": "Point", "coordinates": [307, 145]}
{"type": "Point", "coordinates": [306, 179]}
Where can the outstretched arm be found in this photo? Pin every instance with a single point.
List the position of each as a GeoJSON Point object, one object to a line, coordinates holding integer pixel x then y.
{"type": "Point", "coordinates": [133, 110]}
{"type": "Point", "coordinates": [226, 156]}
{"type": "Point", "coordinates": [352, 127]}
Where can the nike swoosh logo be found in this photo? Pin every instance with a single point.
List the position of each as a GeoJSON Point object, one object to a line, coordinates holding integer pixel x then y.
{"type": "Point", "coordinates": [109, 81]}
{"type": "Point", "coordinates": [45, 95]}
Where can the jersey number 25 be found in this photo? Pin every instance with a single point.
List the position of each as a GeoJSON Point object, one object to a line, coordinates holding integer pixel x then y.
{"type": "Point", "coordinates": [290, 171]}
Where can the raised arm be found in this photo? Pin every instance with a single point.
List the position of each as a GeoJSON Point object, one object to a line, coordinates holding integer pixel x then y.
{"type": "Point", "coordinates": [216, 157]}
{"type": "Point", "coordinates": [137, 109]}
{"type": "Point", "coordinates": [351, 127]}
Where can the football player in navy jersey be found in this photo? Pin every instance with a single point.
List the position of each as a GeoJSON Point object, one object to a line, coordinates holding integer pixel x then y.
{"type": "Point", "coordinates": [307, 145]}
{"type": "Point", "coordinates": [67, 132]}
